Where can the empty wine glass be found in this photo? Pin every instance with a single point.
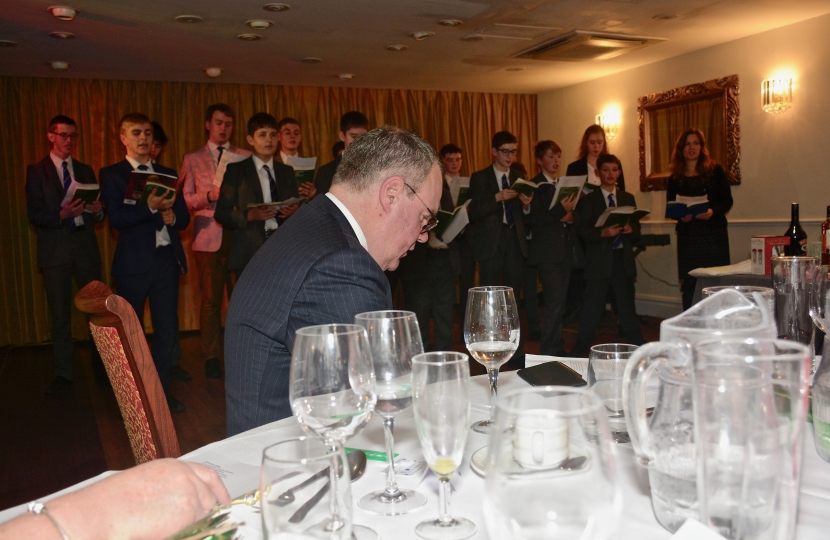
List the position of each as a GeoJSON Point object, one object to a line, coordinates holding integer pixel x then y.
{"type": "Point", "coordinates": [546, 479]}
{"type": "Point", "coordinates": [332, 393]}
{"type": "Point", "coordinates": [491, 332]}
{"type": "Point", "coordinates": [441, 399]}
{"type": "Point", "coordinates": [394, 338]}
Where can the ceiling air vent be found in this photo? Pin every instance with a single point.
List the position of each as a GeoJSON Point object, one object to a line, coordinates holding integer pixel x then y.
{"type": "Point", "coordinates": [581, 46]}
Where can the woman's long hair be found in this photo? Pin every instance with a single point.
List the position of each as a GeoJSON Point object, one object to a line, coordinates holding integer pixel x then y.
{"type": "Point", "coordinates": [705, 164]}
{"type": "Point", "coordinates": [583, 146]}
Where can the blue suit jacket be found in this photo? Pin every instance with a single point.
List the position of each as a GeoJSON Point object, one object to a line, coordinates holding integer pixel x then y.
{"type": "Point", "coordinates": [311, 271]}
{"type": "Point", "coordinates": [137, 225]}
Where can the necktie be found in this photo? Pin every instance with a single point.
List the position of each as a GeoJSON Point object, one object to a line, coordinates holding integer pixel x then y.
{"type": "Point", "coordinates": [508, 207]}
{"type": "Point", "coordinates": [272, 183]}
{"type": "Point", "coordinates": [143, 168]}
{"type": "Point", "coordinates": [220, 149]}
{"type": "Point", "coordinates": [67, 179]}
{"type": "Point", "coordinates": [612, 204]}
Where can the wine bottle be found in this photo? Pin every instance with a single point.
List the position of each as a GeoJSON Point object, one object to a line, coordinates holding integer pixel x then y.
{"type": "Point", "coordinates": [798, 238]}
{"type": "Point", "coordinates": [825, 239]}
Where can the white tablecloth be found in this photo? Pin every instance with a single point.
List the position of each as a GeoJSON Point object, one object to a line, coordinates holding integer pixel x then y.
{"type": "Point", "coordinates": [638, 519]}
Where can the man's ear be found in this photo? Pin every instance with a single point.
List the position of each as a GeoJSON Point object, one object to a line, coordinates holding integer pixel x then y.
{"type": "Point", "coordinates": [391, 192]}
{"type": "Point", "coordinates": [494, 152]}
{"type": "Point", "coordinates": [249, 139]}
{"type": "Point", "coordinates": [342, 136]}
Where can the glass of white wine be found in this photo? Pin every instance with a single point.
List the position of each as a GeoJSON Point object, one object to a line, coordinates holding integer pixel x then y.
{"type": "Point", "coordinates": [491, 332]}
{"type": "Point", "coordinates": [332, 394]}
{"type": "Point", "coordinates": [394, 338]}
{"type": "Point", "coordinates": [441, 400]}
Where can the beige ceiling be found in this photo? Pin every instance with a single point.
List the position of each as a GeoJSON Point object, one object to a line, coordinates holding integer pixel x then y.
{"type": "Point", "coordinates": [140, 40]}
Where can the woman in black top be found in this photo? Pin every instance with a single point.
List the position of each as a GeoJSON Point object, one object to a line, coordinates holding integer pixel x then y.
{"type": "Point", "coordinates": [703, 240]}
{"type": "Point", "coordinates": [592, 146]}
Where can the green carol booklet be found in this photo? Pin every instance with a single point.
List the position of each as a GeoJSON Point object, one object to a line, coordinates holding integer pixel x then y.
{"type": "Point", "coordinates": [303, 168]}
{"type": "Point", "coordinates": [528, 188]}
{"type": "Point", "coordinates": [142, 184]}
{"type": "Point", "coordinates": [88, 193]}
{"type": "Point", "coordinates": [620, 215]}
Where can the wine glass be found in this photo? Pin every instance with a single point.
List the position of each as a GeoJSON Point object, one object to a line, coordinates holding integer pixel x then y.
{"type": "Point", "coordinates": [394, 338]}
{"type": "Point", "coordinates": [545, 478]}
{"type": "Point", "coordinates": [818, 296]}
{"type": "Point", "coordinates": [441, 399]}
{"type": "Point", "coordinates": [297, 495]}
{"type": "Point", "coordinates": [332, 394]}
{"type": "Point", "coordinates": [491, 332]}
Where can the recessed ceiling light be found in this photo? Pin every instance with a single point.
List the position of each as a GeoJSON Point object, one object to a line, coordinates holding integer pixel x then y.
{"type": "Point", "coordinates": [276, 7]}
{"type": "Point", "coordinates": [62, 13]}
{"type": "Point", "coordinates": [62, 35]}
{"type": "Point", "coordinates": [311, 60]}
{"type": "Point", "coordinates": [59, 65]}
{"type": "Point", "coordinates": [665, 17]}
{"type": "Point", "coordinates": [472, 38]}
{"type": "Point", "coordinates": [396, 48]}
{"type": "Point", "coordinates": [516, 68]}
{"type": "Point", "coordinates": [259, 24]}
{"type": "Point", "coordinates": [188, 19]}
{"type": "Point", "coordinates": [420, 36]}
{"type": "Point", "coordinates": [213, 71]}
{"type": "Point", "coordinates": [249, 37]}
{"type": "Point", "coordinates": [346, 76]}
{"type": "Point", "coordinates": [7, 43]}
{"type": "Point", "coordinates": [450, 22]}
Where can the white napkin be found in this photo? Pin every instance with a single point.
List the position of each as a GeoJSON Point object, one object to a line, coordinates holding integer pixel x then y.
{"type": "Point", "coordinates": [743, 267]}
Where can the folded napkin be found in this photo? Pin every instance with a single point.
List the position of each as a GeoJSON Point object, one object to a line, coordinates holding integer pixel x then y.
{"type": "Point", "coordinates": [743, 267]}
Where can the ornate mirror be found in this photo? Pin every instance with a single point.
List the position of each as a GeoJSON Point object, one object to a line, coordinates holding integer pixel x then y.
{"type": "Point", "coordinates": [711, 106]}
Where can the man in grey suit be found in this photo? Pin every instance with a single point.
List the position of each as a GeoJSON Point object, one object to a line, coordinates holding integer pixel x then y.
{"type": "Point", "coordinates": [256, 180]}
{"type": "Point", "coordinates": [201, 177]}
{"type": "Point", "coordinates": [66, 241]}
{"type": "Point", "coordinates": [325, 265]}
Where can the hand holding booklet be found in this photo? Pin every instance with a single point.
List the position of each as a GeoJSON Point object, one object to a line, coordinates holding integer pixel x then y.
{"type": "Point", "coordinates": [567, 186]}
{"type": "Point", "coordinates": [450, 224]}
{"type": "Point", "coordinates": [142, 184]}
{"type": "Point", "coordinates": [687, 206]}
{"type": "Point", "coordinates": [620, 215]}
{"type": "Point", "coordinates": [88, 193]}
{"type": "Point", "coordinates": [527, 188]}
{"type": "Point", "coordinates": [303, 168]}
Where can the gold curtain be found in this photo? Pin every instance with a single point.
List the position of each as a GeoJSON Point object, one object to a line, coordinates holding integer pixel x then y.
{"type": "Point", "coordinates": [27, 104]}
{"type": "Point", "coordinates": [668, 123]}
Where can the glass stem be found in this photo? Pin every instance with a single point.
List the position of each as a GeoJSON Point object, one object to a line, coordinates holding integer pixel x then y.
{"type": "Point", "coordinates": [444, 488]}
{"type": "Point", "coordinates": [391, 486]}
{"type": "Point", "coordinates": [493, 376]}
{"type": "Point", "coordinates": [335, 521]}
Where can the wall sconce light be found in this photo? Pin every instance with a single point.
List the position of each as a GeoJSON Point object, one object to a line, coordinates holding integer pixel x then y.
{"type": "Point", "coordinates": [777, 95]}
{"type": "Point", "coordinates": [610, 124]}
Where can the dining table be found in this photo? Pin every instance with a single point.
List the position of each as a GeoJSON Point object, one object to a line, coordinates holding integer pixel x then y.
{"type": "Point", "coordinates": [237, 459]}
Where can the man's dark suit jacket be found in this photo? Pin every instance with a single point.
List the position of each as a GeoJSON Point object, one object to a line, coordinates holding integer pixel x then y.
{"type": "Point", "coordinates": [486, 215]}
{"type": "Point", "coordinates": [324, 176]}
{"type": "Point", "coordinates": [241, 187]}
{"type": "Point", "coordinates": [580, 168]}
{"type": "Point", "coordinates": [312, 271]}
{"type": "Point", "coordinates": [137, 225]}
{"type": "Point", "coordinates": [599, 251]}
{"type": "Point", "coordinates": [55, 241]}
{"type": "Point", "coordinates": [552, 241]}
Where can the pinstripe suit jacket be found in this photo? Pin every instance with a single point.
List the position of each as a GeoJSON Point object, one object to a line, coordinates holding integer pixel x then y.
{"type": "Point", "coordinates": [311, 271]}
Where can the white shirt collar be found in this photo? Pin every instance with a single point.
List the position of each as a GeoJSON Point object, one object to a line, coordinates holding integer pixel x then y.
{"type": "Point", "coordinates": [605, 195]}
{"type": "Point", "coordinates": [352, 221]}
{"type": "Point", "coordinates": [213, 146]}
{"type": "Point", "coordinates": [258, 163]}
{"type": "Point", "coordinates": [135, 163]}
{"type": "Point", "coordinates": [548, 178]}
{"type": "Point", "coordinates": [499, 174]}
{"type": "Point", "coordinates": [59, 162]}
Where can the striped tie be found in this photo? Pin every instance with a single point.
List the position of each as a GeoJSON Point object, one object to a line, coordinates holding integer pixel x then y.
{"type": "Point", "coordinates": [271, 183]}
{"type": "Point", "coordinates": [612, 204]}
{"type": "Point", "coordinates": [508, 206]}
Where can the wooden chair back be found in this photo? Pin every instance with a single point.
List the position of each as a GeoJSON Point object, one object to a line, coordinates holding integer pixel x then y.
{"type": "Point", "coordinates": [119, 338]}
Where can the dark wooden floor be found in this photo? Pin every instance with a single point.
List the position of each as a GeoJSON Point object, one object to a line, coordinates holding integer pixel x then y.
{"type": "Point", "coordinates": [49, 444]}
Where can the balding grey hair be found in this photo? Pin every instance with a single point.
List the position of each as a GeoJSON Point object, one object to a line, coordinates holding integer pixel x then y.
{"type": "Point", "coordinates": [384, 152]}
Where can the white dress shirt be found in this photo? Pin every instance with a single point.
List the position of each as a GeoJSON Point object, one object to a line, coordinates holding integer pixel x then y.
{"type": "Point", "coordinates": [72, 186]}
{"type": "Point", "coordinates": [214, 152]}
{"type": "Point", "coordinates": [352, 221]}
{"type": "Point", "coordinates": [162, 236]}
{"type": "Point", "coordinates": [270, 224]}
{"type": "Point", "coordinates": [605, 195]}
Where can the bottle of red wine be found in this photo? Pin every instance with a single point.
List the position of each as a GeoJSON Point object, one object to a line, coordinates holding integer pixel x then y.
{"type": "Point", "coordinates": [825, 239]}
{"type": "Point", "coordinates": [798, 238]}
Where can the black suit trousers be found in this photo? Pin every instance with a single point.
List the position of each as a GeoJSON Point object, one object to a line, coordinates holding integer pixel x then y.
{"type": "Point", "coordinates": [58, 284]}
{"type": "Point", "coordinates": [161, 285]}
{"type": "Point", "coordinates": [430, 293]}
{"type": "Point", "coordinates": [595, 298]}
{"type": "Point", "coordinates": [555, 279]}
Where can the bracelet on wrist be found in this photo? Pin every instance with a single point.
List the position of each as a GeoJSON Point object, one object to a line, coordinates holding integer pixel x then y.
{"type": "Point", "coordinates": [38, 508]}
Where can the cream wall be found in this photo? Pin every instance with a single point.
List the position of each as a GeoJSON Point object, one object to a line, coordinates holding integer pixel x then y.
{"type": "Point", "coordinates": [784, 158]}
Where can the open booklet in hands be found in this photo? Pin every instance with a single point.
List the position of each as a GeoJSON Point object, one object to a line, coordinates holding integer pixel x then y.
{"type": "Point", "coordinates": [527, 188]}
{"type": "Point", "coordinates": [450, 224]}
{"type": "Point", "coordinates": [277, 204]}
{"type": "Point", "coordinates": [567, 186]}
{"type": "Point", "coordinates": [303, 168]}
{"type": "Point", "coordinates": [142, 184]}
{"type": "Point", "coordinates": [620, 215]}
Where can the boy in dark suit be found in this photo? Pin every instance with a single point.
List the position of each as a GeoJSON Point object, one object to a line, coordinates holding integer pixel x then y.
{"type": "Point", "coordinates": [148, 257]}
{"type": "Point", "coordinates": [609, 258]}
{"type": "Point", "coordinates": [66, 242]}
{"type": "Point", "coordinates": [353, 124]}
{"type": "Point", "coordinates": [255, 180]}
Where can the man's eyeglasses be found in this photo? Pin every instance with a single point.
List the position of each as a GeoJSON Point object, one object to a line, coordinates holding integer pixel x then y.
{"type": "Point", "coordinates": [508, 152]}
{"type": "Point", "coordinates": [63, 136]}
{"type": "Point", "coordinates": [432, 222]}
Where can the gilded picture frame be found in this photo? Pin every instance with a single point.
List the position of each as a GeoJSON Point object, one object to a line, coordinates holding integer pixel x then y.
{"type": "Point", "coordinates": [717, 93]}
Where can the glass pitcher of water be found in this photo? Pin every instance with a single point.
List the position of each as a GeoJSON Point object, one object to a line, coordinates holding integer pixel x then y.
{"type": "Point", "coordinates": [666, 441]}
